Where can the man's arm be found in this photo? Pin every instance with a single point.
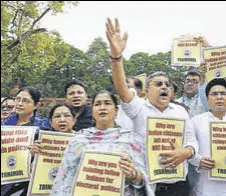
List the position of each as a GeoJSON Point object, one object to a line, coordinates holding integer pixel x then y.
{"type": "Point", "coordinates": [117, 45]}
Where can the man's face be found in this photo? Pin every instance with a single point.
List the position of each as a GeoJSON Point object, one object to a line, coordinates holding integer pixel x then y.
{"type": "Point", "coordinates": [7, 107]}
{"type": "Point", "coordinates": [130, 83]}
{"type": "Point", "coordinates": [159, 92]}
{"type": "Point", "coordinates": [191, 85]}
{"type": "Point", "coordinates": [76, 96]}
{"type": "Point", "coordinates": [217, 99]}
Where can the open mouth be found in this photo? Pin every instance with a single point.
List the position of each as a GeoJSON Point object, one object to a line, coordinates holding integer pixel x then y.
{"type": "Point", "coordinates": [63, 126]}
{"type": "Point", "coordinates": [103, 114]}
{"type": "Point", "coordinates": [163, 94]}
{"type": "Point", "coordinates": [76, 100]}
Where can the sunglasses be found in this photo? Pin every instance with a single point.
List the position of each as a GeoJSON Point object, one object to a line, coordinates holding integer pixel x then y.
{"type": "Point", "coordinates": [7, 107]}
{"type": "Point", "coordinates": [160, 83]}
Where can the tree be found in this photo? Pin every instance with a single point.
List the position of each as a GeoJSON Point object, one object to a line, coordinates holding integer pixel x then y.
{"type": "Point", "coordinates": [99, 68]}
{"type": "Point", "coordinates": [24, 45]}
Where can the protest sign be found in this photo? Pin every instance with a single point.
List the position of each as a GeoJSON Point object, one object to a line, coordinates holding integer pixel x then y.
{"type": "Point", "coordinates": [99, 174]}
{"type": "Point", "coordinates": [218, 150]}
{"type": "Point", "coordinates": [46, 163]}
{"type": "Point", "coordinates": [160, 131]}
{"type": "Point", "coordinates": [215, 58]}
{"type": "Point", "coordinates": [186, 52]}
{"type": "Point", "coordinates": [15, 156]}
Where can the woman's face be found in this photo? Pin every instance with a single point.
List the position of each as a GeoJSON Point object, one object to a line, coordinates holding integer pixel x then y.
{"type": "Point", "coordinates": [7, 107]}
{"type": "Point", "coordinates": [104, 108]}
{"type": "Point", "coordinates": [25, 104]}
{"type": "Point", "coordinates": [62, 120]}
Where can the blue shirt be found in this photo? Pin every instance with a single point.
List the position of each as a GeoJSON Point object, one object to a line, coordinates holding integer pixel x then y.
{"type": "Point", "coordinates": [41, 123]}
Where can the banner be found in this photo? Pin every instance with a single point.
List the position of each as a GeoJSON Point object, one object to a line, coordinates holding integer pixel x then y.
{"type": "Point", "coordinates": [46, 164]}
{"type": "Point", "coordinates": [160, 131]}
{"type": "Point", "coordinates": [216, 62]}
{"type": "Point", "coordinates": [186, 52]}
{"type": "Point", "coordinates": [15, 156]}
{"type": "Point", "coordinates": [218, 150]}
{"type": "Point", "coordinates": [99, 174]}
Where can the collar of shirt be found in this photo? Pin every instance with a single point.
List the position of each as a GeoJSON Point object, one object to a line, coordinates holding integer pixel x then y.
{"type": "Point", "coordinates": [150, 105]}
{"type": "Point", "coordinates": [188, 100]}
{"type": "Point", "coordinates": [212, 117]}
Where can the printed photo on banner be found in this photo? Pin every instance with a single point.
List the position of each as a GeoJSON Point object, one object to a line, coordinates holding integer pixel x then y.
{"type": "Point", "coordinates": [218, 150]}
{"type": "Point", "coordinates": [160, 132]}
{"type": "Point", "coordinates": [15, 156]}
{"type": "Point", "coordinates": [45, 166]}
{"type": "Point", "coordinates": [186, 51]}
{"type": "Point", "coordinates": [99, 174]}
{"type": "Point", "coordinates": [215, 58]}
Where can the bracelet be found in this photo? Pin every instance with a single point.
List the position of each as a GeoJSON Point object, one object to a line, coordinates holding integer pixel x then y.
{"type": "Point", "coordinates": [117, 59]}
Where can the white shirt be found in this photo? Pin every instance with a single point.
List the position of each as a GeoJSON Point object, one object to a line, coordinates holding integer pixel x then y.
{"type": "Point", "coordinates": [203, 186]}
{"type": "Point", "coordinates": [138, 111]}
{"type": "Point", "coordinates": [123, 120]}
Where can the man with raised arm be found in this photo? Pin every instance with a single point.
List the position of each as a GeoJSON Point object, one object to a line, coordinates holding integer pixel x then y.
{"type": "Point", "coordinates": [158, 104]}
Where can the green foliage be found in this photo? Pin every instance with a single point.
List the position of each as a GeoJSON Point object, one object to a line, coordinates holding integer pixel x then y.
{"type": "Point", "coordinates": [42, 59]}
{"type": "Point", "coordinates": [26, 49]}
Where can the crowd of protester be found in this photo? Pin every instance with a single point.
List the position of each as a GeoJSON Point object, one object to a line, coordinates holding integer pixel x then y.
{"type": "Point", "coordinates": [108, 126]}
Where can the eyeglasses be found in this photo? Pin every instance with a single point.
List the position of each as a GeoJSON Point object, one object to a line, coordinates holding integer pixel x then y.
{"type": "Point", "coordinates": [191, 81]}
{"type": "Point", "coordinates": [58, 116]}
{"type": "Point", "coordinates": [23, 100]}
{"type": "Point", "coordinates": [7, 107]}
{"type": "Point", "coordinates": [214, 94]}
{"type": "Point", "coordinates": [160, 83]}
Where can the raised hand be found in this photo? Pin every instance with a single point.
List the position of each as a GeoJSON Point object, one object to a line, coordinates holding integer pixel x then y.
{"type": "Point", "coordinates": [117, 44]}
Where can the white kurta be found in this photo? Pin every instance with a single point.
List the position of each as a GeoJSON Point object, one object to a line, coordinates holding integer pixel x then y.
{"type": "Point", "coordinates": [138, 111]}
{"type": "Point", "coordinates": [203, 186]}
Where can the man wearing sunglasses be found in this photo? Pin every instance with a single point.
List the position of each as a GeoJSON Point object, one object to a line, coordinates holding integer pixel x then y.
{"type": "Point", "coordinates": [7, 107]}
{"type": "Point", "coordinates": [158, 93]}
{"type": "Point", "coordinates": [194, 93]}
{"type": "Point", "coordinates": [216, 97]}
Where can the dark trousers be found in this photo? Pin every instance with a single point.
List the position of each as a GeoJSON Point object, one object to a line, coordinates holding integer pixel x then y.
{"type": "Point", "coordinates": [179, 188]}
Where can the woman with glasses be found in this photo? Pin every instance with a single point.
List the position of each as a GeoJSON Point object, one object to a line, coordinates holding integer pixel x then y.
{"type": "Point", "coordinates": [26, 105]}
{"type": "Point", "coordinates": [62, 118]}
{"type": "Point", "coordinates": [27, 101]}
{"type": "Point", "coordinates": [105, 137]}
{"type": "Point", "coordinates": [7, 107]}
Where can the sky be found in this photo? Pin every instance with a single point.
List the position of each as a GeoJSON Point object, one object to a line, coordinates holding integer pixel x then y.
{"type": "Point", "coordinates": [151, 25]}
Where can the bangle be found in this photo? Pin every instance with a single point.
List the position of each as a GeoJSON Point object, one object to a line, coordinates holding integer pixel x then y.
{"type": "Point", "coordinates": [117, 59]}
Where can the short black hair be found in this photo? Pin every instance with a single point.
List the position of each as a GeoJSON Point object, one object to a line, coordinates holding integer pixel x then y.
{"type": "Point", "coordinates": [214, 82]}
{"type": "Point", "coordinates": [35, 93]}
{"type": "Point", "coordinates": [192, 73]}
{"type": "Point", "coordinates": [69, 106]}
{"type": "Point", "coordinates": [137, 82]}
{"type": "Point", "coordinates": [71, 83]}
{"type": "Point", "coordinates": [174, 87]}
